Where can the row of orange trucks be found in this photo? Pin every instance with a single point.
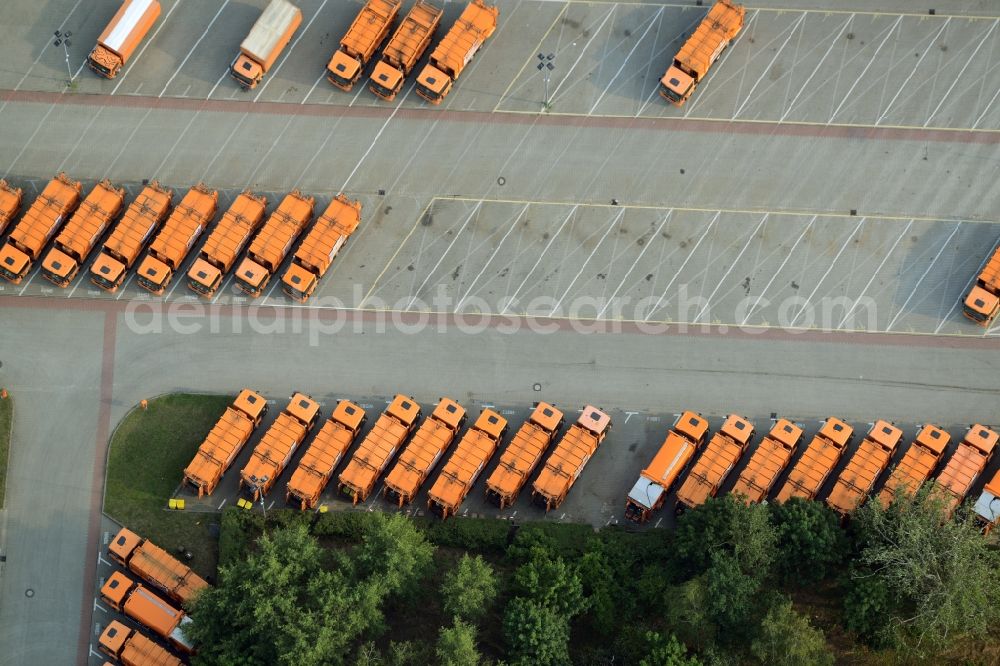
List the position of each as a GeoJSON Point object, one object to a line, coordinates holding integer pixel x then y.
{"type": "Point", "coordinates": [711, 464]}
{"type": "Point", "coordinates": [278, 23]}
{"type": "Point", "coordinates": [100, 224]}
{"type": "Point", "coordinates": [398, 438]}
{"type": "Point", "coordinates": [154, 599]}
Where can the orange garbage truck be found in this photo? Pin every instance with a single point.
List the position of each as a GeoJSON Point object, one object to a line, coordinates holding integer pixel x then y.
{"type": "Point", "coordinates": [691, 64]}
{"type": "Point", "coordinates": [155, 566]}
{"type": "Point", "coordinates": [324, 454]}
{"type": "Point", "coordinates": [129, 237]}
{"type": "Point", "coordinates": [270, 247]}
{"type": "Point", "coordinates": [523, 454]}
{"type": "Point", "coordinates": [570, 456]}
{"type": "Point", "coordinates": [131, 598]}
{"type": "Point", "coordinates": [983, 301]}
{"type": "Point", "coordinates": [820, 457]}
{"type": "Point", "coordinates": [226, 242]}
{"type": "Point", "coordinates": [964, 467]}
{"type": "Point", "coordinates": [421, 455]}
{"type": "Point", "coordinates": [131, 648]}
{"type": "Point", "coordinates": [390, 432]}
{"type": "Point", "coordinates": [271, 456]}
{"type": "Point", "coordinates": [179, 233]}
{"type": "Point", "coordinates": [453, 53]}
{"type": "Point", "coordinates": [863, 469]}
{"type": "Point", "coordinates": [79, 236]}
{"type": "Point", "coordinates": [10, 203]}
{"type": "Point", "coordinates": [987, 507]}
{"type": "Point", "coordinates": [367, 32]}
{"type": "Point", "coordinates": [122, 36]}
{"type": "Point", "coordinates": [768, 461]}
{"type": "Point", "coordinates": [650, 491]}
{"type": "Point", "coordinates": [225, 441]}
{"type": "Point", "coordinates": [405, 48]}
{"type": "Point", "coordinates": [917, 464]}
{"type": "Point", "coordinates": [267, 39]}
{"type": "Point", "coordinates": [44, 218]}
{"type": "Point", "coordinates": [466, 463]}
{"type": "Point", "coordinates": [715, 463]}
{"type": "Point", "coordinates": [320, 247]}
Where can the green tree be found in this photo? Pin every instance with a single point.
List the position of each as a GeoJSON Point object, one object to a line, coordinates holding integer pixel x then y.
{"type": "Point", "coordinates": [731, 594]}
{"type": "Point", "coordinates": [281, 606]}
{"type": "Point", "coordinates": [687, 614]}
{"type": "Point", "coordinates": [943, 577]}
{"type": "Point", "coordinates": [868, 610]}
{"type": "Point", "coordinates": [456, 645]}
{"type": "Point", "coordinates": [536, 634]}
{"type": "Point", "coordinates": [810, 542]}
{"type": "Point", "coordinates": [726, 524]}
{"type": "Point", "coordinates": [786, 638]}
{"type": "Point", "coordinates": [666, 652]}
{"type": "Point", "coordinates": [552, 582]}
{"type": "Point", "coordinates": [469, 590]}
{"type": "Point", "coordinates": [394, 552]}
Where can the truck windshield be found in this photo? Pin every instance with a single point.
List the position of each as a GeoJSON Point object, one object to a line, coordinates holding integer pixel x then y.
{"type": "Point", "coordinates": [102, 281]}
{"type": "Point", "coordinates": [380, 89]}
{"type": "Point", "coordinates": [98, 66]}
{"type": "Point", "coordinates": [973, 314]}
{"type": "Point", "coordinates": [427, 93]}
{"type": "Point", "coordinates": [669, 93]}
{"type": "Point", "coordinates": [198, 286]}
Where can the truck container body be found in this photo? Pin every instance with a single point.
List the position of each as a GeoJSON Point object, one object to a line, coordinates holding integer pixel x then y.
{"type": "Point", "coordinates": [376, 451]}
{"type": "Point", "coordinates": [267, 39]}
{"type": "Point", "coordinates": [324, 454]}
{"type": "Point", "coordinates": [418, 459]}
{"type": "Point", "coordinates": [179, 233]}
{"type": "Point", "coordinates": [917, 464]}
{"type": "Point", "coordinates": [715, 463]}
{"type": "Point", "coordinates": [569, 457]}
{"type": "Point", "coordinates": [453, 53]}
{"type": "Point", "coordinates": [863, 469]}
{"type": "Point", "coordinates": [523, 454]}
{"type": "Point", "coordinates": [320, 246]}
{"type": "Point", "coordinates": [768, 461]}
{"type": "Point", "coordinates": [987, 507]}
{"type": "Point", "coordinates": [716, 31]}
{"type": "Point", "coordinates": [36, 228]}
{"type": "Point", "coordinates": [122, 36]}
{"type": "Point", "coordinates": [367, 32]}
{"type": "Point", "coordinates": [225, 441]}
{"type": "Point", "coordinates": [820, 457]}
{"type": "Point", "coordinates": [466, 463]}
{"type": "Point", "coordinates": [155, 566]}
{"type": "Point", "coordinates": [82, 232]}
{"type": "Point", "coordinates": [271, 456]}
{"type": "Point", "coordinates": [10, 203]}
{"type": "Point", "coordinates": [405, 48]}
{"type": "Point", "coordinates": [270, 247]}
{"type": "Point", "coordinates": [226, 242]}
{"type": "Point", "coordinates": [651, 490]}
{"type": "Point", "coordinates": [964, 467]}
{"type": "Point", "coordinates": [128, 597]}
{"type": "Point", "coordinates": [129, 237]}
{"type": "Point", "coordinates": [983, 301]}
{"type": "Point", "coordinates": [132, 648]}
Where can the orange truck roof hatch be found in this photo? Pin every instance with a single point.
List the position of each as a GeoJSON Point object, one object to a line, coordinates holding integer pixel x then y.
{"type": "Point", "coordinates": [917, 464]}
{"type": "Point", "coordinates": [126, 596]}
{"type": "Point", "coordinates": [130, 235]}
{"type": "Point", "coordinates": [983, 301]}
{"type": "Point", "coordinates": [379, 447]}
{"type": "Point", "coordinates": [132, 648]}
{"type": "Point", "coordinates": [324, 454]}
{"type": "Point", "coordinates": [155, 566]}
{"type": "Point", "coordinates": [523, 454]}
{"type": "Point", "coordinates": [271, 245]}
{"type": "Point", "coordinates": [569, 457]}
{"type": "Point", "coordinates": [82, 232]}
{"type": "Point", "coordinates": [179, 233]}
{"type": "Point", "coordinates": [965, 465]}
{"type": "Point", "coordinates": [10, 203]}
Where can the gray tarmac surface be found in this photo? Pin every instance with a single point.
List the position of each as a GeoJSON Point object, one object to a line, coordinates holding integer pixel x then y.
{"type": "Point", "coordinates": [834, 172]}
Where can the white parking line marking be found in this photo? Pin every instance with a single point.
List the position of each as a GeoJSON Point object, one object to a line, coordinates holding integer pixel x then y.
{"type": "Point", "coordinates": [496, 250]}
{"type": "Point", "coordinates": [833, 43]}
{"type": "Point", "coordinates": [189, 53]}
{"type": "Point", "coordinates": [583, 50]}
{"type": "Point", "coordinates": [827, 272]}
{"type": "Point", "coordinates": [683, 264]}
{"type": "Point", "coordinates": [321, 77]}
{"type": "Point", "coordinates": [538, 261]}
{"type": "Point", "coordinates": [920, 281]}
{"type": "Point", "coordinates": [430, 274]}
{"type": "Point", "coordinates": [611, 226]}
{"type": "Point", "coordinates": [718, 66]}
{"type": "Point", "coordinates": [926, 48]}
{"type": "Point", "coordinates": [732, 265]}
{"type": "Point", "coordinates": [885, 258]}
{"type": "Point", "coordinates": [128, 141]}
{"type": "Point", "coordinates": [217, 83]}
{"type": "Point", "coordinates": [791, 33]}
{"type": "Point", "coordinates": [284, 59]}
{"type": "Point", "coordinates": [635, 263]}
{"type": "Point", "coordinates": [861, 77]}
{"type": "Point", "coordinates": [30, 139]}
{"type": "Point", "coordinates": [625, 62]}
{"type": "Point", "coordinates": [788, 256]}
{"type": "Point", "coordinates": [145, 46]}
{"type": "Point", "coordinates": [377, 136]}
{"type": "Point", "coordinates": [958, 77]}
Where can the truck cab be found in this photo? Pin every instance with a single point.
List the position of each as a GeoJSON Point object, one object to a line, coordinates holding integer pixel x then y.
{"type": "Point", "coordinates": [247, 72]}
{"type": "Point", "coordinates": [204, 278]}
{"type": "Point", "coordinates": [386, 81]}
{"type": "Point", "coordinates": [251, 278]}
{"type": "Point", "coordinates": [107, 272]}
{"type": "Point", "coordinates": [59, 268]}
{"type": "Point", "coordinates": [13, 263]}
{"type": "Point", "coordinates": [433, 84]}
{"type": "Point", "coordinates": [298, 282]}
{"type": "Point", "coordinates": [676, 85]}
{"type": "Point", "coordinates": [343, 70]}
{"type": "Point", "coordinates": [980, 305]}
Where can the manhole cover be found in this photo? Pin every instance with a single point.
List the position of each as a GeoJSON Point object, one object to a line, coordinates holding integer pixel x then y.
{"type": "Point", "coordinates": [29, 593]}
{"type": "Point", "coordinates": [537, 386]}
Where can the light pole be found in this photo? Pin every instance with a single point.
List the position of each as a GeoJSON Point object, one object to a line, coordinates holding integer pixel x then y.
{"type": "Point", "coordinates": [62, 39]}
{"type": "Point", "coordinates": [545, 66]}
